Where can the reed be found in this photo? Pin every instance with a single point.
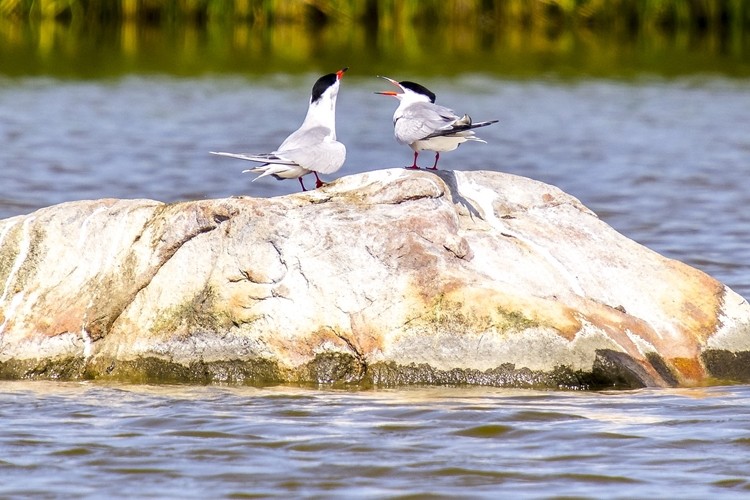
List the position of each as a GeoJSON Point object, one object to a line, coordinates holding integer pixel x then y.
{"type": "Point", "coordinates": [92, 38]}
{"type": "Point", "coordinates": [548, 14]}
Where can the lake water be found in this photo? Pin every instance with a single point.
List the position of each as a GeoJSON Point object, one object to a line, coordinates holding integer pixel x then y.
{"type": "Point", "coordinates": [83, 440]}
{"type": "Point", "coordinates": [664, 161]}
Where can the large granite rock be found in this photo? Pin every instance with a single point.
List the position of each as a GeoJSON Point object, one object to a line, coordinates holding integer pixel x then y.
{"type": "Point", "coordinates": [387, 277]}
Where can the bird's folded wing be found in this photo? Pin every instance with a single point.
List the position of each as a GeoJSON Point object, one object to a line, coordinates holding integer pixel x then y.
{"type": "Point", "coordinates": [314, 149]}
{"type": "Point", "coordinates": [325, 157]}
{"type": "Point", "coordinates": [304, 138]}
{"type": "Point", "coordinates": [462, 125]}
{"type": "Point", "coordinates": [421, 120]}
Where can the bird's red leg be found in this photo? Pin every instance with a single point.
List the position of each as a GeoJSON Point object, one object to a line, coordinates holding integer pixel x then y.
{"type": "Point", "coordinates": [434, 167]}
{"type": "Point", "coordinates": [301, 184]}
{"type": "Point", "coordinates": [318, 182]}
{"type": "Point", "coordinates": [414, 166]}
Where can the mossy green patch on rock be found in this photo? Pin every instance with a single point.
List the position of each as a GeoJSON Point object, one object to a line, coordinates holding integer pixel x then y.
{"type": "Point", "coordinates": [71, 368]}
{"type": "Point", "coordinates": [198, 313]}
{"type": "Point", "coordinates": [449, 314]}
{"type": "Point", "coordinates": [506, 375]}
{"type": "Point", "coordinates": [611, 370]}
{"type": "Point", "coordinates": [726, 365]}
{"type": "Point", "coordinates": [151, 370]}
{"type": "Point", "coordinates": [513, 320]}
{"type": "Point", "coordinates": [331, 368]}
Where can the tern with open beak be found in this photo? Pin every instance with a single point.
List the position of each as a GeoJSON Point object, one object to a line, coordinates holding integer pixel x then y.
{"type": "Point", "coordinates": [425, 126]}
{"type": "Point", "coordinates": [313, 147]}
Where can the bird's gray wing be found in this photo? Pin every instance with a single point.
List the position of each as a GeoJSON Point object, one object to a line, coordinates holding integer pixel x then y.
{"type": "Point", "coordinates": [421, 120]}
{"type": "Point", "coordinates": [463, 126]}
{"type": "Point", "coordinates": [314, 149]}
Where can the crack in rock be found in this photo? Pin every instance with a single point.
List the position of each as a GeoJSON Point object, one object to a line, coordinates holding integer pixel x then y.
{"type": "Point", "coordinates": [361, 360]}
{"type": "Point", "coordinates": [170, 229]}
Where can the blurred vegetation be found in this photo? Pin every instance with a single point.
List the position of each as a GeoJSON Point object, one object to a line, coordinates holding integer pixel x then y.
{"type": "Point", "coordinates": [90, 38]}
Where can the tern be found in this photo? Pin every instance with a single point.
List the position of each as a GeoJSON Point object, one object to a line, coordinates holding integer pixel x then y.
{"type": "Point", "coordinates": [313, 147]}
{"type": "Point", "coordinates": [425, 126]}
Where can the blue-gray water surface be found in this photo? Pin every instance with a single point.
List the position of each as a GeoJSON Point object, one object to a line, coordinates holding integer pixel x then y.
{"type": "Point", "coordinates": [665, 162]}
{"type": "Point", "coordinates": [84, 440]}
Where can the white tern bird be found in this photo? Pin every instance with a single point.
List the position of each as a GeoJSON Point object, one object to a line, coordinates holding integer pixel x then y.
{"type": "Point", "coordinates": [425, 126]}
{"type": "Point", "coordinates": [312, 147]}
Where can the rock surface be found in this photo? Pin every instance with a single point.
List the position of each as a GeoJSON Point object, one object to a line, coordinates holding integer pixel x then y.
{"type": "Point", "coordinates": [387, 277]}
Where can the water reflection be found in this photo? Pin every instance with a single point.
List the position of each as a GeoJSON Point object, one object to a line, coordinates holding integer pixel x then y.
{"type": "Point", "coordinates": [422, 48]}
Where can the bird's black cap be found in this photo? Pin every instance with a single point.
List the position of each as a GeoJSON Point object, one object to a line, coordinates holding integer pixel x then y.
{"type": "Point", "coordinates": [324, 82]}
{"type": "Point", "coordinates": [321, 85]}
{"type": "Point", "coordinates": [419, 89]}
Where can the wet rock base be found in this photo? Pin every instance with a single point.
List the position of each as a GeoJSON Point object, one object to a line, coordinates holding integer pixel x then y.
{"type": "Point", "coordinates": [611, 370]}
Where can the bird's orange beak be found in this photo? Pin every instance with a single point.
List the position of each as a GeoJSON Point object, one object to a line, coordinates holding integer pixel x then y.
{"type": "Point", "coordinates": [390, 92]}
{"type": "Point", "coordinates": [340, 73]}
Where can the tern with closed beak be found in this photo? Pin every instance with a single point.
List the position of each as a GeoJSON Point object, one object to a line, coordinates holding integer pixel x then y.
{"type": "Point", "coordinates": [313, 147]}
{"type": "Point", "coordinates": [425, 126]}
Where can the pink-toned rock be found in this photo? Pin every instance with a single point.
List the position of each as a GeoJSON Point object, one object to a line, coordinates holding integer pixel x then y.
{"type": "Point", "coordinates": [387, 277]}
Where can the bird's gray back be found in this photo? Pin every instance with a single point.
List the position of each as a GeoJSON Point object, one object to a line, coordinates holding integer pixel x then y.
{"type": "Point", "coordinates": [314, 149]}
{"type": "Point", "coordinates": [421, 119]}
{"type": "Point", "coordinates": [304, 138]}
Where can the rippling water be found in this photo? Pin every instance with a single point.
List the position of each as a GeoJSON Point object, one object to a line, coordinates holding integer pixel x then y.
{"type": "Point", "coordinates": [666, 162]}
{"type": "Point", "coordinates": [82, 440]}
